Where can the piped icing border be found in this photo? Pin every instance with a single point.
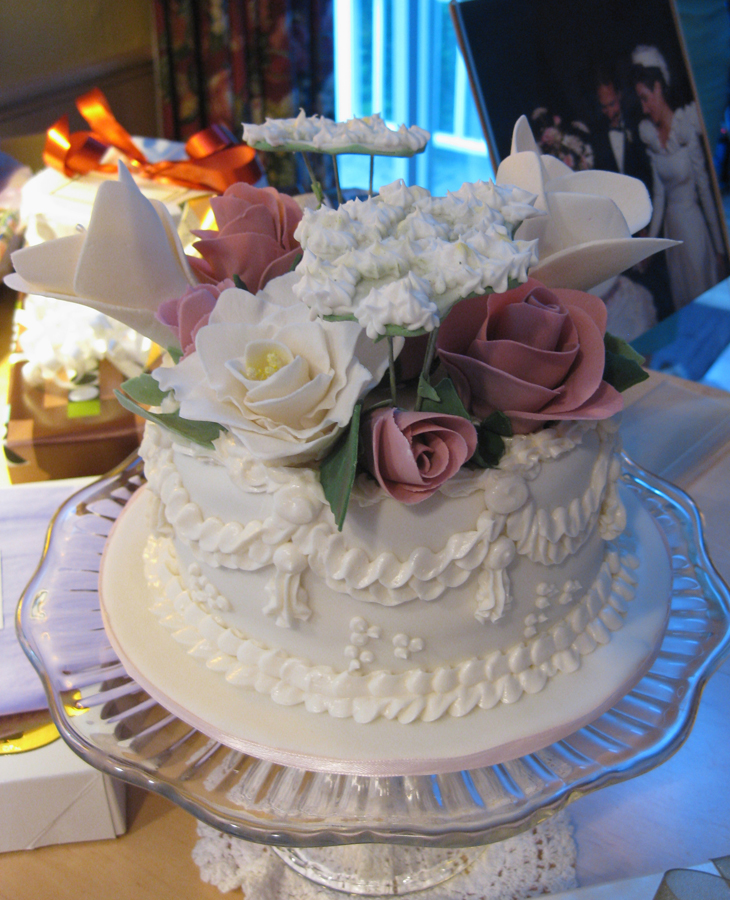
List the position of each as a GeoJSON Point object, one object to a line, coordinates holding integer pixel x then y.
{"type": "Point", "coordinates": [300, 533]}
{"type": "Point", "coordinates": [500, 677]}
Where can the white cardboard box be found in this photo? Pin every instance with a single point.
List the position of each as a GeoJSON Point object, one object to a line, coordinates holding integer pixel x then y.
{"type": "Point", "coordinates": [51, 796]}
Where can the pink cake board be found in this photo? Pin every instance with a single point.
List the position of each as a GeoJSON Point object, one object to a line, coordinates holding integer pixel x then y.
{"type": "Point", "coordinates": [250, 722]}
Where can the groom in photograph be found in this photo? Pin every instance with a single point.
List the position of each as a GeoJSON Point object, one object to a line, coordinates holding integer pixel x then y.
{"type": "Point", "coordinates": [618, 148]}
{"type": "Point", "coordinates": [616, 141]}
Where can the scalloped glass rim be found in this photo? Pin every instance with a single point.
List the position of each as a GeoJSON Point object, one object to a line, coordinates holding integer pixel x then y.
{"type": "Point", "coordinates": [114, 725]}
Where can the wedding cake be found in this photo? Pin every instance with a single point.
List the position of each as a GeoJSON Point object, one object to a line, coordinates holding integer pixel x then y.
{"type": "Point", "coordinates": [382, 457]}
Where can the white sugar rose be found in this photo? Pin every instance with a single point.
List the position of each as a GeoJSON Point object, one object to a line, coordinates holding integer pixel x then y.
{"type": "Point", "coordinates": [284, 385]}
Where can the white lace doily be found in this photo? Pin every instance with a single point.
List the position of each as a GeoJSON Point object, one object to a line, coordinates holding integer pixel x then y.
{"type": "Point", "coordinates": [538, 861]}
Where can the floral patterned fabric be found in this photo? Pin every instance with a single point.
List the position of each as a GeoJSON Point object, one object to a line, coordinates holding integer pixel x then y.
{"type": "Point", "coordinates": [233, 61]}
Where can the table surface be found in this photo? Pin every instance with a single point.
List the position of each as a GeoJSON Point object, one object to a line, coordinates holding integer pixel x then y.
{"type": "Point", "coordinates": [675, 815]}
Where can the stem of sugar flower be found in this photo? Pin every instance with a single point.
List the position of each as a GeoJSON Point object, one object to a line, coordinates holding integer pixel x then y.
{"type": "Point", "coordinates": [316, 186]}
{"type": "Point", "coordinates": [340, 198]}
{"type": "Point", "coordinates": [372, 173]}
{"type": "Point", "coordinates": [391, 372]}
{"type": "Point", "coordinates": [427, 362]}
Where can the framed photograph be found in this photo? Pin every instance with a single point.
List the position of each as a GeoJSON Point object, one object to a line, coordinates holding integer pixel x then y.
{"type": "Point", "coordinates": [606, 84]}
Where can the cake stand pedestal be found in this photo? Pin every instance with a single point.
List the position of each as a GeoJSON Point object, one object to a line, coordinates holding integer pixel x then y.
{"type": "Point", "coordinates": [378, 870]}
{"type": "Point", "coordinates": [110, 721]}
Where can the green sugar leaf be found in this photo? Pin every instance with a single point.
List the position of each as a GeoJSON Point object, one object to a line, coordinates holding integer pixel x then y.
{"type": "Point", "coordinates": [499, 423]}
{"type": "Point", "coordinates": [144, 389]}
{"type": "Point", "coordinates": [447, 401]}
{"type": "Point", "coordinates": [306, 147]}
{"type": "Point", "coordinates": [400, 331]}
{"type": "Point", "coordinates": [623, 365]}
{"type": "Point", "coordinates": [338, 469]}
{"type": "Point", "coordinates": [490, 440]}
{"type": "Point", "coordinates": [344, 317]}
{"type": "Point", "coordinates": [490, 447]}
{"type": "Point", "coordinates": [427, 390]}
{"type": "Point", "coordinates": [203, 433]}
{"type": "Point", "coordinates": [620, 346]}
{"type": "Point", "coordinates": [176, 354]}
{"type": "Point", "coordinates": [622, 373]}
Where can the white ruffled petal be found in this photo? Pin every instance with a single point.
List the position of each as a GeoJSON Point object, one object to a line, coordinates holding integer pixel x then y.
{"type": "Point", "coordinates": [285, 386]}
{"type": "Point", "coordinates": [629, 194]}
{"type": "Point", "coordinates": [578, 219]}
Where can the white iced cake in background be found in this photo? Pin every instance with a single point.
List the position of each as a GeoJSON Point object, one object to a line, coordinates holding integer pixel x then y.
{"type": "Point", "coordinates": [382, 459]}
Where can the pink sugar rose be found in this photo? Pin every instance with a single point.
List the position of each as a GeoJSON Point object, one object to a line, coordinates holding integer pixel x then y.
{"type": "Point", "coordinates": [535, 354]}
{"type": "Point", "coordinates": [255, 237]}
{"type": "Point", "coordinates": [186, 315]}
{"type": "Point", "coordinates": [411, 454]}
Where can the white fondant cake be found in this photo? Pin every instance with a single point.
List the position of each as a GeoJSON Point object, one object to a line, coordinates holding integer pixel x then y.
{"type": "Point", "coordinates": [499, 581]}
{"type": "Point", "coordinates": [344, 518]}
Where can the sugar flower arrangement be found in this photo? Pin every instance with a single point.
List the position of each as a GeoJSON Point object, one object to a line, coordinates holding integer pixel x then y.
{"type": "Point", "coordinates": [404, 336]}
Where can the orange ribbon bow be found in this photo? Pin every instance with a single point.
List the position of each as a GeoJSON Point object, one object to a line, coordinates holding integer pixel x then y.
{"type": "Point", "coordinates": [216, 159]}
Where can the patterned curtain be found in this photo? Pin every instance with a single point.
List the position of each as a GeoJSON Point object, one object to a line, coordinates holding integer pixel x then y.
{"type": "Point", "coordinates": [233, 61]}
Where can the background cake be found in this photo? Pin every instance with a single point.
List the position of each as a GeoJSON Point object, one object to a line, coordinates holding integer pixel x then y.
{"type": "Point", "coordinates": [382, 459]}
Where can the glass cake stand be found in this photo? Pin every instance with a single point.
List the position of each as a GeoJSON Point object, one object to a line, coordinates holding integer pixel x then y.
{"type": "Point", "coordinates": [109, 720]}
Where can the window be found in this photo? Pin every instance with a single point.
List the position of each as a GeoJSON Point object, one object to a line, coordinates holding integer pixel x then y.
{"type": "Point", "coordinates": [399, 58]}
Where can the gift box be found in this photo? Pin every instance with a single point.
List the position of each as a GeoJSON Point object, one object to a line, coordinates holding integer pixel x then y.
{"type": "Point", "coordinates": [56, 433]}
{"type": "Point", "coordinates": [59, 198]}
{"type": "Point", "coordinates": [51, 796]}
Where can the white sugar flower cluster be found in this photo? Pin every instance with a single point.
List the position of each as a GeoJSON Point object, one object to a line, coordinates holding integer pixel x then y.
{"type": "Point", "coordinates": [366, 135]}
{"type": "Point", "coordinates": [405, 257]}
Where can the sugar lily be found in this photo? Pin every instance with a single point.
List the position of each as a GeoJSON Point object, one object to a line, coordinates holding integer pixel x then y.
{"type": "Point", "coordinates": [586, 236]}
{"type": "Point", "coordinates": [125, 265]}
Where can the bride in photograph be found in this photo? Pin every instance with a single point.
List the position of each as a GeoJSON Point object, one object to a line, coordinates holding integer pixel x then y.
{"type": "Point", "coordinates": [684, 205]}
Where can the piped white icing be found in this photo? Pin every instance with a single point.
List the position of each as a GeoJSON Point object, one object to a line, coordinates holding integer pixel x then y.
{"type": "Point", "coordinates": [291, 539]}
{"type": "Point", "coordinates": [297, 531]}
{"type": "Point", "coordinates": [415, 694]}
{"type": "Point", "coordinates": [405, 257]}
{"type": "Point", "coordinates": [327, 136]}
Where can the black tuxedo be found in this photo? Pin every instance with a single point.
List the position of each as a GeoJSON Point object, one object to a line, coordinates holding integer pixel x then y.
{"type": "Point", "coordinates": [636, 159]}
